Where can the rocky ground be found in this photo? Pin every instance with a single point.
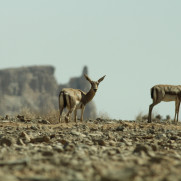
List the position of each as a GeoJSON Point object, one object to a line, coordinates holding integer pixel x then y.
{"type": "Point", "coordinates": [103, 150]}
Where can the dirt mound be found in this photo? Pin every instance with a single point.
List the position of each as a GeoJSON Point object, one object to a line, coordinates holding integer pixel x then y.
{"type": "Point", "coordinates": [97, 150]}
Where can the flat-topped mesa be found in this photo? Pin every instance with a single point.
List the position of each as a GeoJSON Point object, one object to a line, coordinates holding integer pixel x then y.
{"type": "Point", "coordinates": [74, 99]}
{"type": "Point", "coordinates": [26, 80]}
{"type": "Point", "coordinates": [165, 93]}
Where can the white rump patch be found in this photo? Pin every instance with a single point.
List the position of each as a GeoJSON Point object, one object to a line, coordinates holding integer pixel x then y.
{"type": "Point", "coordinates": [78, 104]}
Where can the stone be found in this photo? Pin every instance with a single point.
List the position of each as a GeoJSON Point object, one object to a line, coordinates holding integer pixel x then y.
{"type": "Point", "coordinates": [64, 142]}
{"type": "Point", "coordinates": [127, 142]}
{"type": "Point", "coordinates": [8, 178]}
{"type": "Point", "coordinates": [120, 128]}
{"type": "Point", "coordinates": [76, 133]}
{"type": "Point", "coordinates": [100, 142]}
{"type": "Point", "coordinates": [20, 142]}
{"type": "Point", "coordinates": [47, 153]}
{"type": "Point", "coordinates": [58, 148]}
{"type": "Point", "coordinates": [33, 127]}
{"type": "Point", "coordinates": [120, 175]}
{"type": "Point", "coordinates": [140, 147]}
{"type": "Point", "coordinates": [25, 136]}
{"type": "Point", "coordinates": [7, 141]}
{"type": "Point", "coordinates": [40, 139]}
{"type": "Point", "coordinates": [112, 143]}
{"type": "Point", "coordinates": [43, 121]}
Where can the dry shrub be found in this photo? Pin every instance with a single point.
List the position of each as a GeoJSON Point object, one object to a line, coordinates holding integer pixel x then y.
{"type": "Point", "coordinates": [141, 117]}
{"type": "Point", "coordinates": [158, 117]}
{"type": "Point", "coordinates": [168, 118]}
{"type": "Point", "coordinates": [155, 117]}
{"type": "Point", "coordinates": [52, 116]}
{"type": "Point", "coordinates": [103, 115]}
{"type": "Point", "coordinates": [28, 113]}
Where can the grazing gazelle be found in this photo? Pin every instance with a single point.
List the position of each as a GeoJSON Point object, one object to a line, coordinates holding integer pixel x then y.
{"type": "Point", "coordinates": [165, 93]}
{"type": "Point", "coordinates": [74, 99]}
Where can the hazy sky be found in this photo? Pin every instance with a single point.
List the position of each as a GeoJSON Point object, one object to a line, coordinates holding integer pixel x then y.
{"type": "Point", "coordinates": [136, 43]}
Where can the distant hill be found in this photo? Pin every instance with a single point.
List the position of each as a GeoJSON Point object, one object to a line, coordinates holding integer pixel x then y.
{"type": "Point", "coordinates": [36, 88]}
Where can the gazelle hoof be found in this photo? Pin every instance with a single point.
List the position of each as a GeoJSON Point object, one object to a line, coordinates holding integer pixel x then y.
{"type": "Point", "coordinates": [66, 119]}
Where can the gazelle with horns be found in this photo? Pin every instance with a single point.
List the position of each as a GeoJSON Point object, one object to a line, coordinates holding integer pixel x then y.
{"type": "Point", "coordinates": [165, 93]}
{"type": "Point", "coordinates": [74, 99]}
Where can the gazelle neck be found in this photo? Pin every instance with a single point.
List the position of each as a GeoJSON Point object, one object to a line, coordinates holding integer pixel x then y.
{"type": "Point", "coordinates": [89, 96]}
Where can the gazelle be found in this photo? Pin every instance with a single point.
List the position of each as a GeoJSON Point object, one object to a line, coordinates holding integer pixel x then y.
{"type": "Point", "coordinates": [165, 93]}
{"type": "Point", "coordinates": [74, 99]}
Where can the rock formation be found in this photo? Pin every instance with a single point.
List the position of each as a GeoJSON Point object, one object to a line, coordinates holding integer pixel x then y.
{"type": "Point", "coordinates": [36, 89]}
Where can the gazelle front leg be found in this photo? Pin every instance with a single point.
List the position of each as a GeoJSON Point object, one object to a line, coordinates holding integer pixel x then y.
{"type": "Point", "coordinates": [75, 115]}
{"type": "Point", "coordinates": [82, 113]}
{"type": "Point", "coordinates": [60, 115]}
{"type": "Point", "coordinates": [175, 111]}
{"type": "Point", "coordinates": [150, 110]}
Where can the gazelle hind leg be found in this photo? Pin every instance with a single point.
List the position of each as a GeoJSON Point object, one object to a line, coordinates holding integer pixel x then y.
{"type": "Point", "coordinates": [68, 108]}
{"type": "Point", "coordinates": [177, 107]}
{"type": "Point", "coordinates": [67, 117]}
{"type": "Point", "coordinates": [178, 111]}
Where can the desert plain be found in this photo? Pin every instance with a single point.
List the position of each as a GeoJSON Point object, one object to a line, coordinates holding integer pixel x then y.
{"type": "Point", "coordinates": [34, 149]}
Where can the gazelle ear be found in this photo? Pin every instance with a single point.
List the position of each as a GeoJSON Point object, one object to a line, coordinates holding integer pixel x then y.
{"type": "Point", "coordinates": [101, 79]}
{"type": "Point", "coordinates": [86, 76]}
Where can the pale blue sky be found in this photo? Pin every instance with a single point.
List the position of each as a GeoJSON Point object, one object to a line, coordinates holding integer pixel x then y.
{"type": "Point", "coordinates": [137, 44]}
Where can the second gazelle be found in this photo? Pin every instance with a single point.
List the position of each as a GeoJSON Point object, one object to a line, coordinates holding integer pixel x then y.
{"type": "Point", "coordinates": [165, 93]}
{"type": "Point", "coordinates": [74, 99]}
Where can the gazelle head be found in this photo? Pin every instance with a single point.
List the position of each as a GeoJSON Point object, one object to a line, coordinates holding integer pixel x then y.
{"type": "Point", "coordinates": [94, 84]}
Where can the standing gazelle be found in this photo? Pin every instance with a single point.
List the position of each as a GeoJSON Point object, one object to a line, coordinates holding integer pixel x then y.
{"type": "Point", "coordinates": [165, 93]}
{"type": "Point", "coordinates": [74, 99]}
